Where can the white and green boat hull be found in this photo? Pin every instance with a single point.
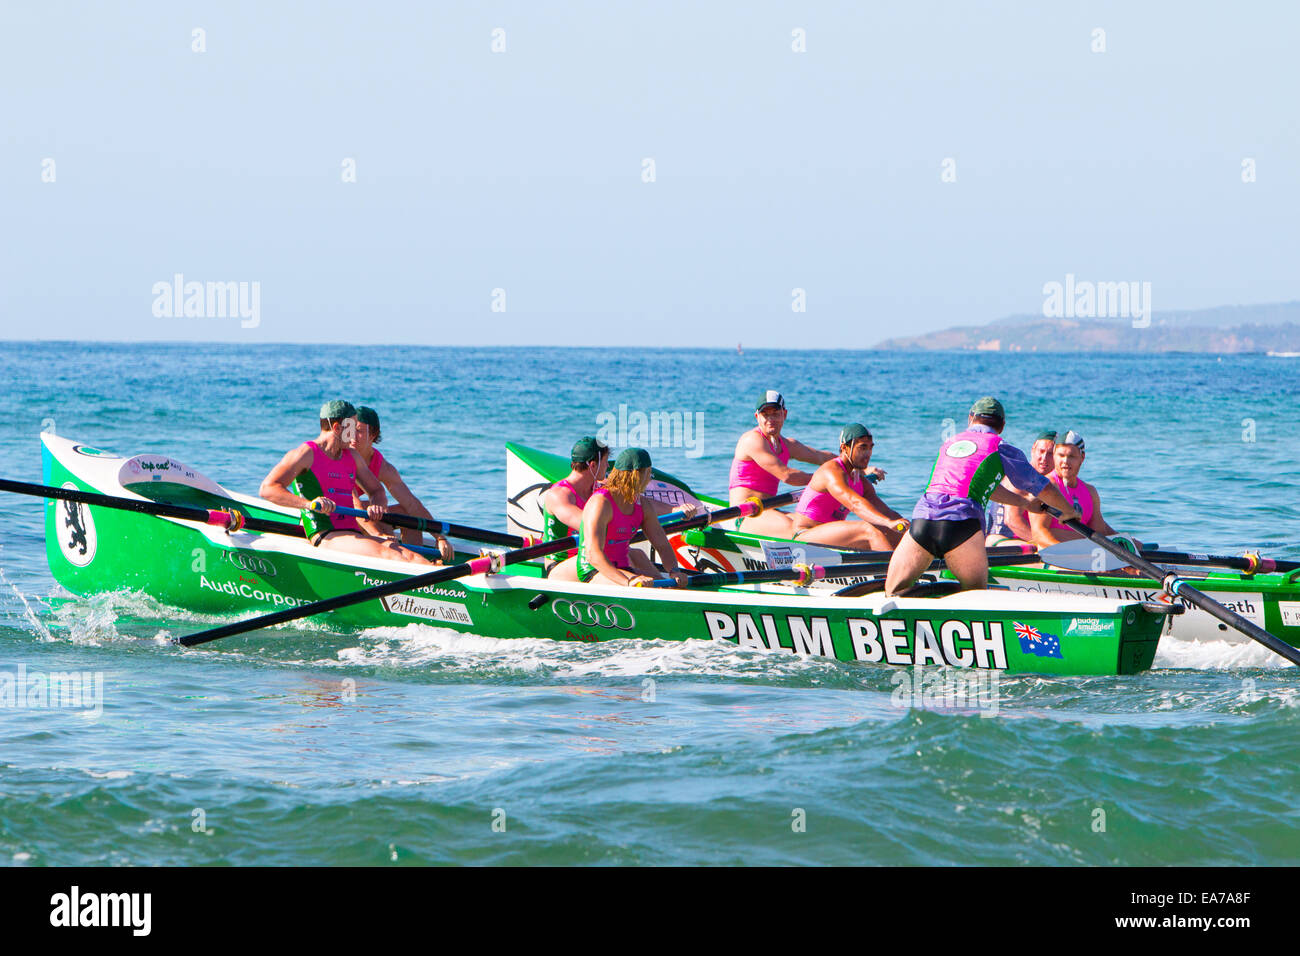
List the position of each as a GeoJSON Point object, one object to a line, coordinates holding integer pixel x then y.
{"type": "Point", "coordinates": [92, 549]}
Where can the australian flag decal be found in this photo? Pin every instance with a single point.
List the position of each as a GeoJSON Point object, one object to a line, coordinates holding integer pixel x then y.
{"type": "Point", "coordinates": [1033, 641]}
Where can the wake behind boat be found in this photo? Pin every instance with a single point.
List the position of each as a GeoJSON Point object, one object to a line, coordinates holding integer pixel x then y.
{"type": "Point", "coordinates": [202, 567]}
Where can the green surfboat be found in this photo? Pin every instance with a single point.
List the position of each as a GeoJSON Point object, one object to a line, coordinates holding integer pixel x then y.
{"type": "Point", "coordinates": [201, 568]}
{"type": "Point", "coordinates": [1269, 600]}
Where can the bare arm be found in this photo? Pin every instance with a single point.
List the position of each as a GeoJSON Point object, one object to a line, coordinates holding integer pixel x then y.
{"type": "Point", "coordinates": [659, 541]}
{"type": "Point", "coordinates": [866, 506]}
{"type": "Point", "coordinates": [275, 486]}
{"type": "Point", "coordinates": [756, 448]}
{"type": "Point", "coordinates": [801, 452]}
{"type": "Point", "coordinates": [1040, 521]}
{"type": "Point", "coordinates": [560, 502]}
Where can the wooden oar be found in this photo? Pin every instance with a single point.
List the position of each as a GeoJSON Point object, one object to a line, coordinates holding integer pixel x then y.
{"type": "Point", "coordinates": [1176, 587]}
{"type": "Point", "coordinates": [233, 520]}
{"type": "Point", "coordinates": [483, 565]}
{"type": "Point", "coordinates": [398, 520]}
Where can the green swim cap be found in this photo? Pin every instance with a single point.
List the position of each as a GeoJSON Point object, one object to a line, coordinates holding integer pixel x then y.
{"type": "Point", "coordinates": [587, 449]}
{"type": "Point", "coordinates": [770, 397]}
{"type": "Point", "coordinates": [851, 433]}
{"type": "Point", "coordinates": [368, 416]}
{"type": "Point", "coordinates": [337, 409]}
{"type": "Point", "coordinates": [1046, 435]}
{"type": "Point", "coordinates": [631, 459]}
{"type": "Point", "coordinates": [989, 406]}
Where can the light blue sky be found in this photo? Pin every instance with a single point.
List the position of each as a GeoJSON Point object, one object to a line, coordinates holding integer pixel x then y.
{"type": "Point", "coordinates": [522, 170]}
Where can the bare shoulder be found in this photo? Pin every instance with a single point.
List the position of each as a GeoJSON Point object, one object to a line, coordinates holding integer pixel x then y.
{"type": "Point", "coordinates": [300, 456]}
{"type": "Point", "coordinates": [561, 493]}
{"type": "Point", "coordinates": [748, 442]}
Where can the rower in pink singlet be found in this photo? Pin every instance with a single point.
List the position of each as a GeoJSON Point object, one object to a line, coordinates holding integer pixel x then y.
{"type": "Point", "coordinates": [618, 533]}
{"type": "Point", "coordinates": [1079, 497]}
{"type": "Point", "coordinates": [747, 473]}
{"type": "Point", "coordinates": [331, 478]}
{"type": "Point", "coordinates": [552, 527]}
{"type": "Point", "coordinates": [821, 507]}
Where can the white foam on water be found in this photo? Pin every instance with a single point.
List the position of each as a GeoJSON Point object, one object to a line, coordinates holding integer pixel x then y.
{"type": "Point", "coordinates": [108, 774]}
{"type": "Point", "coordinates": [30, 616]}
{"type": "Point", "coordinates": [421, 644]}
{"type": "Point", "coordinates": [1216, 655]}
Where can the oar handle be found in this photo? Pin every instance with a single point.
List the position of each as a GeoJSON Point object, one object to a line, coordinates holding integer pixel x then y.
{"type": "Point", "coordinates": [1176, 587]}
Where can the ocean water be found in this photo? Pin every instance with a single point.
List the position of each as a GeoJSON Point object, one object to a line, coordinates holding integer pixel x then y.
{"type": "Point", "coordinates": [450, 748]}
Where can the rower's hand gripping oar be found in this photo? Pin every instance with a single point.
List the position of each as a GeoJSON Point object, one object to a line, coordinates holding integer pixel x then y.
{"type": "Point", "coordinates": [434, 527]}
{"type": "Point", "coordinates": [1176, 587]}
{"type": "Point", "coordinates": [483, 565]}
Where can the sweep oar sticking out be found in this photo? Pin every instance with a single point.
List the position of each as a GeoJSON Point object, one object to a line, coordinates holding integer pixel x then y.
{"type": "Point", "coordinates": [1174, 586]}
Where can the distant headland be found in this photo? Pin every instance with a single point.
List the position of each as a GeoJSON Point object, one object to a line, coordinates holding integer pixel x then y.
{"type": "Point", "coordinates": [1226, 329]}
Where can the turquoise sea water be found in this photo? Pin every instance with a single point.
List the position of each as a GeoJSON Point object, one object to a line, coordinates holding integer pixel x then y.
{"type": "Point", "coordinates": [470, 749]}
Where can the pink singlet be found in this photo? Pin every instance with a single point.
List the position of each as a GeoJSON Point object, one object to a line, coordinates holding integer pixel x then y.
{"type": "Point", "coordinates": [335, 476]}
{"type": "Point", "coordinates": [376, 462]}
{"type": "Point", "coordinates": [1079, 497]}
{"type": "Point", "coordinates": [747, 473]}
{"type": "Point", "coordinates": [619, 531]}
{"type": "Point", "coordinates": [820, 507]}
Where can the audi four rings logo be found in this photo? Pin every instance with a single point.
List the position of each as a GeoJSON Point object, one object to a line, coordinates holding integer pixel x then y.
{"type": "Point", "coordinates": [252, 563]}
{"type": "Point", "coordinates": [592, 614]}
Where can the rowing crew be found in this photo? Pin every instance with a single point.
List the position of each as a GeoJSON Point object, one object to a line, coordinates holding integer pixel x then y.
{"type": "Point", "coordinates": [341, 468]}
{"type": "Point", "coordinates": [973, 468]}
{"type": "Point", "coordinates": [1059, 459]}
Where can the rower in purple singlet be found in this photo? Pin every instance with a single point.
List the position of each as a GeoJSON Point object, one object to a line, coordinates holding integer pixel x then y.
{"type": "Point", "coordinates": [323, 472]}
{"type": "Point", "coordinates": [948, 521]}
{"type": "Point", "coordinates": [839, 487]}
{"type": "Point", "coordinates": [761, 463]}
{"type": "Point", "coordinates": [364, 439]}
{"type": "Point", "coordinates": [1083, 497]}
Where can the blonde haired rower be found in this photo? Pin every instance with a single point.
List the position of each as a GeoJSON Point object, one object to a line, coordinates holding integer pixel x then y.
{"type": "Point", "coordinates": [612, 516]}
